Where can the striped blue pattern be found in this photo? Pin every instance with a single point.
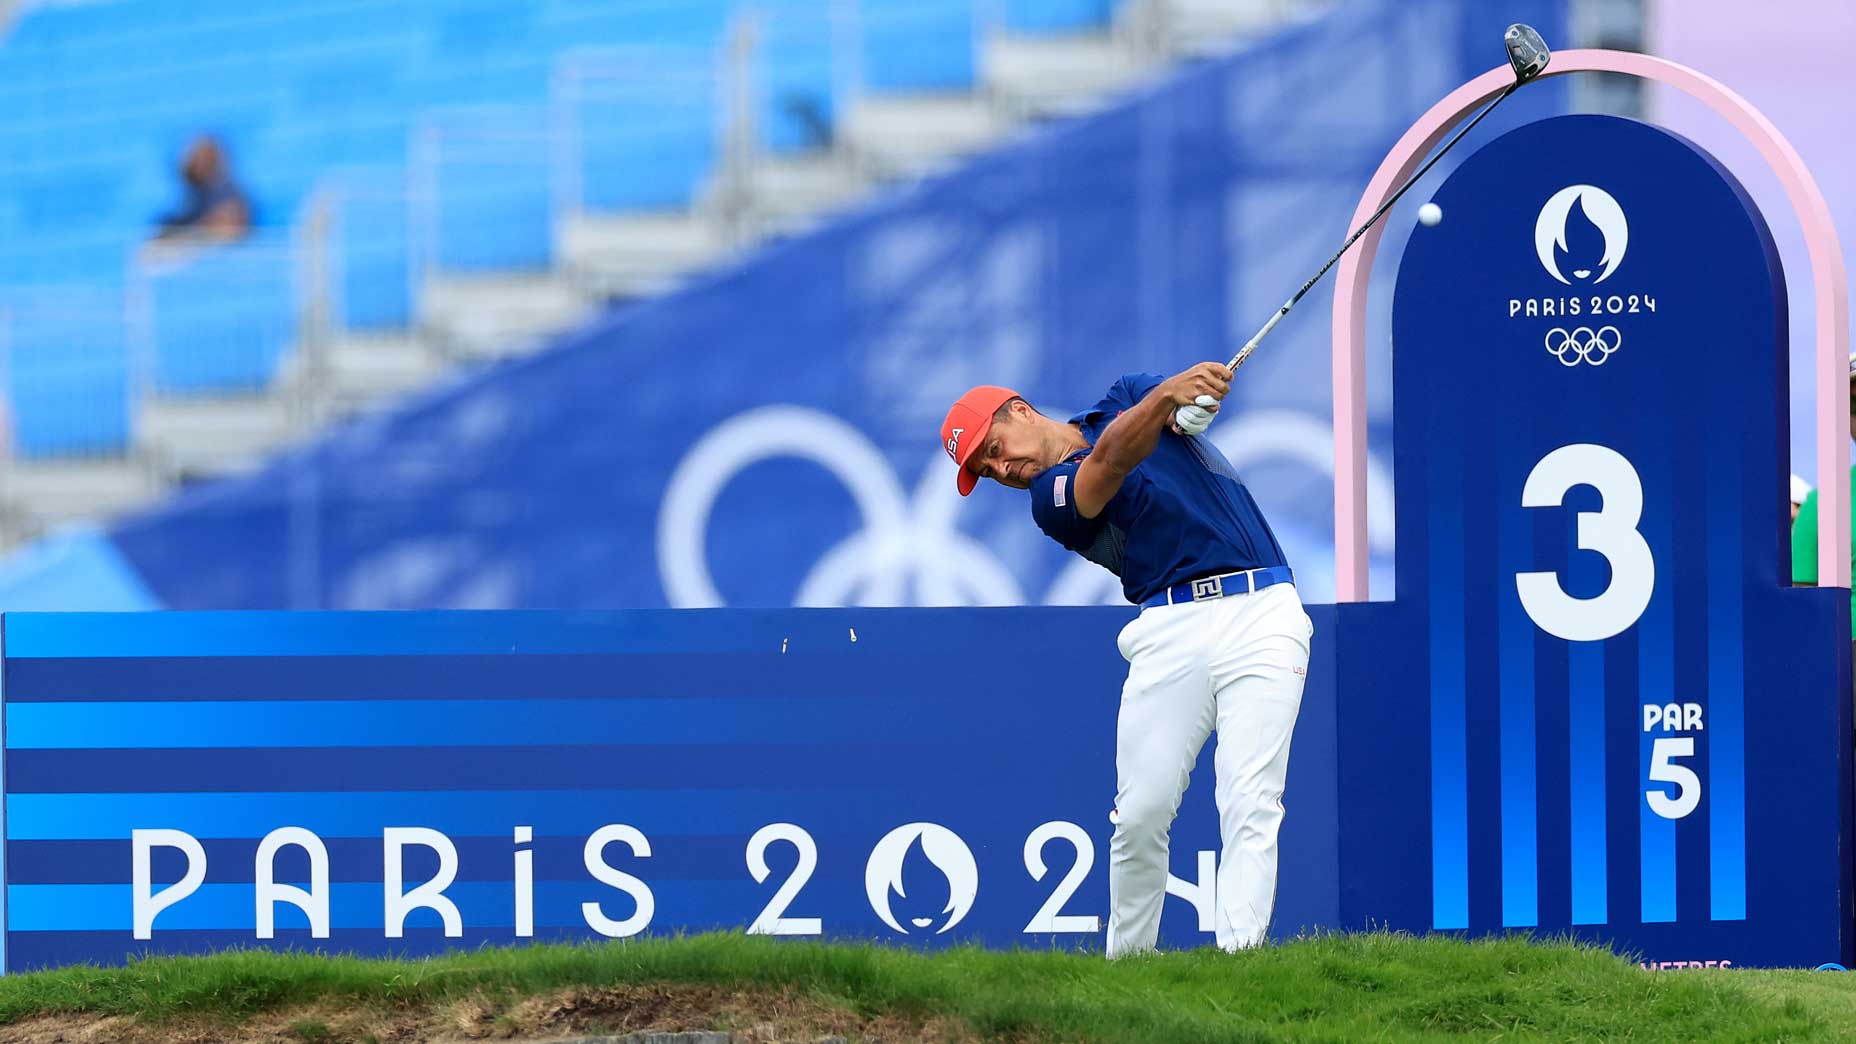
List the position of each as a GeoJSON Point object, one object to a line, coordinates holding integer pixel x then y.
{"type": "Point", "coordinates": [1449, 724]}
{"type": "Point", "coordinates": [176, 725]}
{"type": "Point", "coordinates": [1724, 734]}
{"type": "Point", "coordinates": [108, 635]}
{"type": "Point", "coordinates": [697, 729]}
{"type": "Point", "coordinates": [6, 823]}
{"type": "Point", "coordinates": [1656, 673]}
{"type": "Point", "coordinates": [1586, 736]}
{"type": "Point", "coordinates": [1520, 826]}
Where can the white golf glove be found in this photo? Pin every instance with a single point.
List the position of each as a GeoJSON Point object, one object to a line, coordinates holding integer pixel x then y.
{"type": "Point", "coordinates": [1194, 419]}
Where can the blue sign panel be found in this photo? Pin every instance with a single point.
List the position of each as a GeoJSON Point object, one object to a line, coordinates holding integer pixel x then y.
{"type": "Point", "coordinates": [1631, 730]}
{"type": "Point", "coordinates": [406, 783]}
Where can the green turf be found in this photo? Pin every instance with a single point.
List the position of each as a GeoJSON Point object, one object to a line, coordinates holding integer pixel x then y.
{"type": "Point", "coordinates": [1334, 988]}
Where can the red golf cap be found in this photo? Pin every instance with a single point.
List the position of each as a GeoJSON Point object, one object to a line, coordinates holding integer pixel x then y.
{"type": "Point", "coordinates": [964, 430]}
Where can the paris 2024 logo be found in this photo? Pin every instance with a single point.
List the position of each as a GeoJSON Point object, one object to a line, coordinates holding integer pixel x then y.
{"type": "Point", "coordinates": [1580, 237]}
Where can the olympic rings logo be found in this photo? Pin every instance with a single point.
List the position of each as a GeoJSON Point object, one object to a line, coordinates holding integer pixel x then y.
{"type": "Point", "coordinates": [909, 549]}
{"type": "Point", "coordinates": [1583, 344]}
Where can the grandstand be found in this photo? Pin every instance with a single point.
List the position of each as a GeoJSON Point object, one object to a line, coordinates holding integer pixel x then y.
{"type": "Point", "coordinates": [449, 182]}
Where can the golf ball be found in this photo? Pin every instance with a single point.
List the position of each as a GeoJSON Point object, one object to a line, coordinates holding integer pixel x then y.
{"type": "Point", "coordinates": [1430, 214]}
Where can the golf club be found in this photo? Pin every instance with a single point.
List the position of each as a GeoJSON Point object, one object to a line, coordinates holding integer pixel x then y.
{"type": "Point", "coordinates": [1528, 55]}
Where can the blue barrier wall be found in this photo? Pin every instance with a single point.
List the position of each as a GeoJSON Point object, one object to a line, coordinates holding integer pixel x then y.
{"type": "Point", "coordinates": [696, 729]}
{"type": "Point", "coordinates": [894, 759]}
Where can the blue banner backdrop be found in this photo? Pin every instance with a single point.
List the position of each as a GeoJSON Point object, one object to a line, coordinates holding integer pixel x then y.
{"type": "Point", "coordinates": [903, 776]}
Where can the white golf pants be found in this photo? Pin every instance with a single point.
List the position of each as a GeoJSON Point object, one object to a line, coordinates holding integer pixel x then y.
{"type": "Point", "coordinates": [1236, 664]}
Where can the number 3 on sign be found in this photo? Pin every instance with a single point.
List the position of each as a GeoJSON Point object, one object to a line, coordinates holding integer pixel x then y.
{"type": "Point", "coordinates": [1611, 531]}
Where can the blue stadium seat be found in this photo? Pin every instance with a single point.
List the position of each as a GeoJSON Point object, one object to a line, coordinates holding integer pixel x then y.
{"type": "Point", "coordinates": [372, 222]}
{"type": "Point", "coordinates": [919, 45]}
{"type": "Point", "coordinates": [572, 23]}
{"type": "Point", "coordinates": [647, 152]}
{"type": "Point", "coordinates": [96, 260]}
{"type": "Point", "coordinates": [1056, 16]}
{"type": "Point", "coordinates": [806, 66]}
{"type": "Point", "coordinates": [67, 375]}
{"type": "Point", "coordinates": [495, 80]}
{"type": "Point", "coordinates": [220, 320]}
{"type": "Point", "coordinates": [478, 27]}
{"type": "Point", "coordinates": [493, 206]}
{"type": "Point", "coordinates": [376, 275]}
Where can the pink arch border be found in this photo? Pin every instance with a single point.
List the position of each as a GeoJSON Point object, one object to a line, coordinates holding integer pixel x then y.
{"type": "Point", "coordinates": [1827, 278]}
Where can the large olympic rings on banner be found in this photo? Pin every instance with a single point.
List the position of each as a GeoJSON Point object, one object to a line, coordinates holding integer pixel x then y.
{"type": "Point", "coordinates": [907, 551]}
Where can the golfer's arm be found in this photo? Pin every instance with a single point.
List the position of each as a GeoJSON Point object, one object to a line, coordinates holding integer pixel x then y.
{"type": "Point", "coordinates": [1126, 442]}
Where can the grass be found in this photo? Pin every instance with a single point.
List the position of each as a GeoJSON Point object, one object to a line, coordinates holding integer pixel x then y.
{"type": "Point", "coordinates": [1332, 988]}
{"type": "Point", "coordinates": [312, 1031]}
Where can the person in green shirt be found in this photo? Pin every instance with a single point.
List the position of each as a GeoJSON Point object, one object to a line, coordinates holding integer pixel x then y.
{"type": "Point", "coordinates": [1804, 527]}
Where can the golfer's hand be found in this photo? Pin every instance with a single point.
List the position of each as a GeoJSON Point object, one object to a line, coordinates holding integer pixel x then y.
{"type": "Point", "coordinates": [1194, 419]}
{"type": "Point", "coordinates": [1207, 378]}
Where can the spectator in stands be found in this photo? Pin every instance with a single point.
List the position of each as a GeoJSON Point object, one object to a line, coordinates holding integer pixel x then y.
{"type": "Point", "coordinates": [214, 207]}
{"type": "Point", "coordinates": [1804, 528]}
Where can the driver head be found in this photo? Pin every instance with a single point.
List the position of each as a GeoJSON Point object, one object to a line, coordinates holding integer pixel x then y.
{"type": "Point", "coordinates": [1527, 52]}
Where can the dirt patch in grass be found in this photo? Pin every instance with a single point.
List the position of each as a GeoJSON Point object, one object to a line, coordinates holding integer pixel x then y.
{"type": "Point", "coordinates": [750, 1016]}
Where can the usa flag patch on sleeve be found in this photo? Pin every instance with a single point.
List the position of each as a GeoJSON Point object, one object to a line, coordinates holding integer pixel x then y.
{"type": "Point", "coordinates": [1062, 480]}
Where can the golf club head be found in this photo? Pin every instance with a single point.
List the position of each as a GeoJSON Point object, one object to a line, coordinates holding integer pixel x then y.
{"type": "Point", "coordinates": [1527, 52]}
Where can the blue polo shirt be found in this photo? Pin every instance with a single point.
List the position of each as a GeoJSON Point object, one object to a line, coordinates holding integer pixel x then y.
{"type": "Point", "coordinates": [1181, 514]}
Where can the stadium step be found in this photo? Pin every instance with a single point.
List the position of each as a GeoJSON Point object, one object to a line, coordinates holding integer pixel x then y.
{"type": "Point", "coordinates": [788, 194]}
{"type": "Point", "coordinates": [913, 134]}
{"type": "Point", "coordinates": [41, 495]}
{"type": "Point", "coordinates": [1036, 76]}
{"type": "Point", "coordinates": [637, 255]}
{"type": "Point", "coordinates": [360, 370]}
{"type": "Point", "coordinates": [192, 438]}
{"type": "Point", "coordinates": [493, 316]}
{"type": "Point", "coordinates": [1198, 26]}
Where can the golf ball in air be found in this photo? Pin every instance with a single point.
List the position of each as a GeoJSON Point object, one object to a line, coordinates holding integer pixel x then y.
{"type": "Point", "coordinates": [1430, 214]}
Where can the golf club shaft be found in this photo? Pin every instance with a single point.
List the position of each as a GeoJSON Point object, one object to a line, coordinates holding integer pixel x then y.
{"type": "Point", "coordinates": [1251, 345]}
